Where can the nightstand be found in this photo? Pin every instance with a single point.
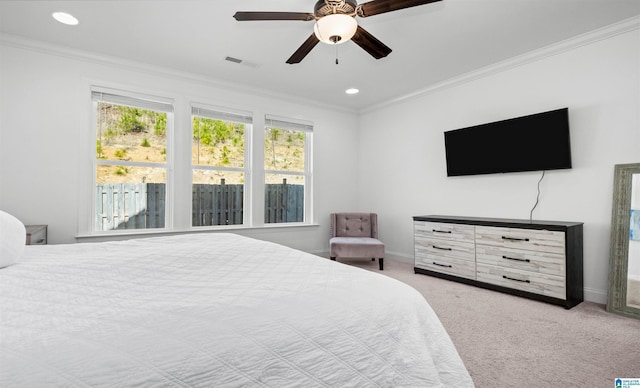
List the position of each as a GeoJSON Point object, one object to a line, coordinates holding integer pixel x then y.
{"type": "Point", "coordinates": [36, 234]}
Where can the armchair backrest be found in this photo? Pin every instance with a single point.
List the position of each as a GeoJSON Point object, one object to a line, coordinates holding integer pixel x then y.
{"type": "Point", "coordinates": [354, 225]}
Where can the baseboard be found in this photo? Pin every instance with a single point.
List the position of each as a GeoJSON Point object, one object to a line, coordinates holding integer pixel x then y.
{"type": "Point", "coordinates": [321, 253]}
{"type": "Point", "coordinates": [595, 296]}
{"type": "Point", "coordinates": [590, 294]}
{"type": "Point", "coordinates": [400, 257]}
{"type": "Point", "coordinates": [387, 255]}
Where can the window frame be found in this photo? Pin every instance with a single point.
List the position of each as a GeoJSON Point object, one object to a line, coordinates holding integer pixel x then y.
{"type": "Point", "coordinates": [142, 101]}
{"type": "Point", "coordinates": [179, 167]}
{"type": "Point", "coordinates": [281, 122]}
{"type": "Point", "coordinates": [234, 116]}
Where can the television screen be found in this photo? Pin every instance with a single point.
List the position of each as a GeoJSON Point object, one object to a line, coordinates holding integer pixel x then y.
{"type": "Point", "coordinates": [530, 143]}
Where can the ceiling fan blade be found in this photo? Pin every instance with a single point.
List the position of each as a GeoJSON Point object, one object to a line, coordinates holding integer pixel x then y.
{"type": "Point", "coordinates": [370, 44]}
{"type": "Point", "coordinates": [251, 16]}
{"type": "Point", "coordinates": [376, 7]}
{"type": "Point", "coordinates": [303, 50]}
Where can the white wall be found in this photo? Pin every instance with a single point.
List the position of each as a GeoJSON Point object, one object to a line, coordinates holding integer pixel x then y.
{"type": "Point", "coordinates": [44, 122]}
{"type": "Point", "coordinates": [404, 173]}
{"type": "Point", "coordinates": [46, 148]}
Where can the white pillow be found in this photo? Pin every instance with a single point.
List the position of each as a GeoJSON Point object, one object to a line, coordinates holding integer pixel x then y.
{"type": "Point", "coordinates": [13, 238]}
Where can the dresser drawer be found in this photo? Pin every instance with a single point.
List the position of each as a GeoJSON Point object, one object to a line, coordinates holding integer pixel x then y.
{"type": "Point", "coordinates": [533, 261]}
{"type": "Point", "coordinates": [530, 239]}
{"type": "Point", "coordinates": [445, 248]}
{"type": "Point", "coordinates": [537, 283]}
{"type": "Point", "coordinates": [448, 265]}
{"type": "Point", "coordinates": [444, 231]}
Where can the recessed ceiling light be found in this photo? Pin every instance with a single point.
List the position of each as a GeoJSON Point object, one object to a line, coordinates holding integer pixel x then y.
{"type": "Point", "coordinates": [352, 91]}
{"type": "Point", "coordinates": [65, 18]}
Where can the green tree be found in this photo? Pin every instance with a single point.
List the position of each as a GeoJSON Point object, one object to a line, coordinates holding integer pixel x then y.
{"type": "Point", "coordinates": [212, 132]}
{"type": "Point", "coordinates": [130, 119]}
{"type": "Point", "coordinates": [272, 137]}
{"type": "Point", "coordinates": [160, 126]}
{"type": "Point", "coordinates": [99, 150]}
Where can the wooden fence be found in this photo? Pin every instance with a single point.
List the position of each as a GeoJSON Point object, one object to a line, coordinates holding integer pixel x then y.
{"type": "Point", "coordinates": [283, 203]}
{"type": "Point", "coordinates": [130, 206]}
{"type": "Point", "coordinates": [217, 204]}
{"type": "Point", "coordinates": [142, 205]}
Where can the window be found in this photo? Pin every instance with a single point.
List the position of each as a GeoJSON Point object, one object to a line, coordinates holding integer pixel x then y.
{"type": "Point", "coordinates": [219, 166]}
{"type": "Point", "coordinates": [130, 161]}
{"type": "Point", "coordinates": [287, 164]}
{"type": "Point", "coordinates": [143, 181]}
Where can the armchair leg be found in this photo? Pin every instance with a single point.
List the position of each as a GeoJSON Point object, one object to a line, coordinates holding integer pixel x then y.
{"type": "Point", "coordinates": [333, 258]}
{"type": "Point", "coordinates": [373, 259]}
{"type": "Point", "coordinates": [381, 262]}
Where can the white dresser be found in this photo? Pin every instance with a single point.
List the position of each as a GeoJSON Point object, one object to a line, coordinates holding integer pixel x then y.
{"type": "Point", "coordinates": [540, 260]}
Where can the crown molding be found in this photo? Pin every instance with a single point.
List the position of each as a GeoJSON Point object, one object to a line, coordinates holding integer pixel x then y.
{"type": "Point", "coordinates": [563, 46]}
{"type": "Point", "coordinates": [20, 42]}
{"type": "Point", "coordinates": [594, 36]}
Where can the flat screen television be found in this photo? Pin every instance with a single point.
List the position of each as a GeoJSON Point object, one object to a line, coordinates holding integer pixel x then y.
{"type": "Point", "coordinates": [535, 142]}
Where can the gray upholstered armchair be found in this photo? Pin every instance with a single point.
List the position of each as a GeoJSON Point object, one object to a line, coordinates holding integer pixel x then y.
{"type": "Point", "coordinates": [355, 235]}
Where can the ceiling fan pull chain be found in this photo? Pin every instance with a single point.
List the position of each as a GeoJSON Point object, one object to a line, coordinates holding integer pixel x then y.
{"type": "Point", "coordinates": [336, 54]}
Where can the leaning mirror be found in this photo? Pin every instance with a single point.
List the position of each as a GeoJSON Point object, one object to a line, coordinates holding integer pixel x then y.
{"type": "Point", "coordinates": [624, 267]}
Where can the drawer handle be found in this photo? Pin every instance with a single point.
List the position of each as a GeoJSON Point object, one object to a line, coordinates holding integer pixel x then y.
{"type": "Point", "coordinates": [441, 231]}
{"type": "Point", "coordinates": [514, 238]}
{"type": "Point", "coordinates": [516, 259]}
{"type": "Point", "coordinates": [443, 265]}
{"type": "Point", "coordinates": [441, 248]}
{"type": "Point", "coordinates": [517, 280]}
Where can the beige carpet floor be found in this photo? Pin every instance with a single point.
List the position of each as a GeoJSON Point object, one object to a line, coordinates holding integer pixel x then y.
{"type": "Point", "coordinates": [509, 341]}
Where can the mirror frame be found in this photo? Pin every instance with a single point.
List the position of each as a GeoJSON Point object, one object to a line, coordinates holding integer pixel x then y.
{"type": "Point", "coordinates": [619, 252]}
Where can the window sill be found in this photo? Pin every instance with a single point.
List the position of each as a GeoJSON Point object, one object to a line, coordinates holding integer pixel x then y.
{"type": "Point", "coordinates": [134, 233]}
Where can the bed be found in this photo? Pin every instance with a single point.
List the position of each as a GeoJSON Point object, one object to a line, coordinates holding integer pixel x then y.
{"type": "Point", "coordinates": [213, 310]}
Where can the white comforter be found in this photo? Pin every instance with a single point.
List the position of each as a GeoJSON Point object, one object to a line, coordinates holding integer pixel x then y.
{"type": "Point", "coordinates": [213, 310]}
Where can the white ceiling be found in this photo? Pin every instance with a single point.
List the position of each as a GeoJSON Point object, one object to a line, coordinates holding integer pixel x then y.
{"type": "Point", "coordinates": [431, 43]}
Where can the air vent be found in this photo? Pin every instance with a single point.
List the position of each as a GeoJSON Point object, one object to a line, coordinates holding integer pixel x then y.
{"type": "Point", "coordinates": [242, 62]}
{"type": "Point", "coordinates": [232, 59]}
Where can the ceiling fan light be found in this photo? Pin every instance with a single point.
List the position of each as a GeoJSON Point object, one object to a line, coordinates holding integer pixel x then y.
{"type": "Point", "coordinates": [335, 28]}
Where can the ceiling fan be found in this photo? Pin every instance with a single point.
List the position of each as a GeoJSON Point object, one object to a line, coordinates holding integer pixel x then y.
{"type": "Point", "coordinates": [335, 23]}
